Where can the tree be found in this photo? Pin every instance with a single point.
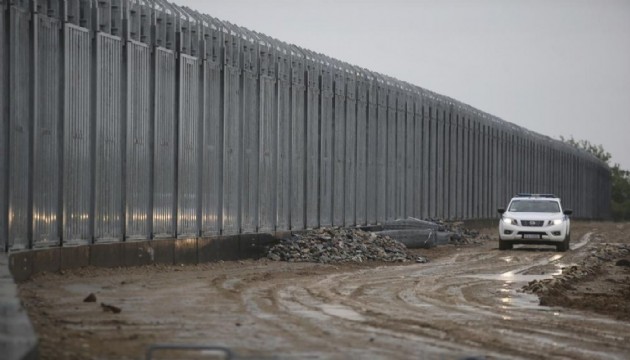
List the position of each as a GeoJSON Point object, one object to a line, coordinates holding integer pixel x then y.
{"type": "Point", "coordinates": [620, 197]}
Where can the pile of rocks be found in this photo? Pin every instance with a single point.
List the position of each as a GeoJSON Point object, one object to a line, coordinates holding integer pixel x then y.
{"type": "Point", "coordinates": [336, 245]}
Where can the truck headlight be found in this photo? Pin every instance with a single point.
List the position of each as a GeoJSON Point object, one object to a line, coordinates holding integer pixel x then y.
{"type": "Point", "coordinates": [555, 222]}
{"type": "Point", "coordinates": [510, 221]}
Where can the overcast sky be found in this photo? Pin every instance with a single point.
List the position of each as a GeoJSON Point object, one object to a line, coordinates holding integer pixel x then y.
{"type": "Point", "coordinates": [556, 67]}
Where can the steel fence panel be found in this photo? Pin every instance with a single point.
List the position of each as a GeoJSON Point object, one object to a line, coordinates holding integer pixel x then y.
{"type": "Point", "coordinates": [283, 98]}
{"type": "Point", "coordinates": [351, 149]}
{"type": "Point", "coordinates": [468, 170]}
{"type": "Point", "coordinates": [212, 151]}
{"type": "Point", "coordinates": [433, 158]}
{"type": "Point", "coordinates": [231, 149]}
{"type": "Point", "coordinates": [78, 153]}
{"type": "Point", "coordinates": [426, 156]}
{"type": "Point", "coordinates": [400, 201]}
{"type": "Point", "coordinates": [339, 141]}
{"type": "Point", "coordinates": [4, 129]}
{"type": "Point", "coordinates": [164, 157]}
{"type": "Point", "coordinates": [391, 198]}
{"type": "Point", "coordinates": [46, 135]}
{"type": "Point", "coordinates": [297, 133]}
{"type": "Point", "coordinates": [452, 163]}
{"type": "Point", "coordinates": [108, 141]}
{"type": "Point", "coordinates": [418, 163]}
{"type": "Point", "coordinates": [372, 151]}
{"type": "Point", "coordinates": [441, 154]}
{"type": "Point", "coordinates": [138, 176]}
{"type": "Point", "coordinates": [461, 163]}
{"type": "Point", "coordinates": [410, 159]}
{"type": "Point", "coordinates": [250, 122]}
{"type": "Point", "coordinates": [326, 146]}
{"type": "Point", "coordinates": [188, 145]}
{"type": "Point", "coordinates": [381, 152]}
{"type": "Point", "coordinates": [486, 179]}
{"type": "Point", "coordinates": [361, 194]}
{"type": "Point", "coordinates": [20, 128]}
{"type": "Point", "coordinates": [313, 70]}
{"type": "Point", "coordinates": [268, 138]}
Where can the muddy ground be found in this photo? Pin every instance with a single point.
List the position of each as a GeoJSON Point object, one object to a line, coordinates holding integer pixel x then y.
{"type": "Point", "coordinates": [469, 300]}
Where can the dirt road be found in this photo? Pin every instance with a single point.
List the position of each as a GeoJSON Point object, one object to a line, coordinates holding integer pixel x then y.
{"type": "Point", "coordinates": [467, 301]}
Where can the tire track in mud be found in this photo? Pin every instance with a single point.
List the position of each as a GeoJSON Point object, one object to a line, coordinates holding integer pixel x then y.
{"type": "Point", "coordinates": [445, 309]}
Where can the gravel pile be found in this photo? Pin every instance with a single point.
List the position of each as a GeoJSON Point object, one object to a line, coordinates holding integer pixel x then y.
{"type": "Point", "coordinates": [337, 245]}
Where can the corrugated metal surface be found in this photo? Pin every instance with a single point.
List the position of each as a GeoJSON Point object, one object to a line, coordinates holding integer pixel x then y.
{"type": "Point", "coordinates": [108, 166]}
{"type": "Point", "coordinates": [19, 128]}
{"type": "Point", "coordinates": [418, 171]}
{"type": "Point", "coordinates": [339, 146]}
{"type": "Point", "coordinates": [392, 182]}
{"type": "Point", "coordinates": [381, 155]}
{"type": "Point", "coordinates": [77, 153]}
{"type": "Point", "coordinates": [212, 153]}
{"type": "Point", "coordinates": [433, 157]}
{"type": "Point", "coordinates": [231, 150]}
{"type": "Point", "coordinates": [400, 157]}
{"type": "Point", "coordinates": [452, 163]}
{"type": "Point", "coordinates": [4, 130]}
{"type": "Point", "coordinates": [410, 159]}
{"type": "Point", "coordinates": [189, 147]}
{"type": "Point", "coordinates": [312, 143]}
{"type": "Point", "coordinates": [46, 134]}
{"type": "Point", "coordinates": [138, 177]}
{"type": "Point", "coordinates": [250, 125]}
{"type": "Point", "coordinates": [361, 161]}
{"type": "Point", "coordinates": [268, 153]}
{"type": "Point", "coordinates": [298, 148]}
{"type": "Point", "coordinates": [326, 157]}
{"type": "Point", "coordinates": [284, 143]}
{"type": "Point", "coordinates": [372, 152]}
{"type": "Point", "coordinates": [440, 160]}
{"type": "Point", "coordinates": [350, 174]}
{"type": "Point", "coordinates": [164, 156]}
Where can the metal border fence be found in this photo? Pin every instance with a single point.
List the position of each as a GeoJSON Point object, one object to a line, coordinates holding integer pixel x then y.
{"type": "Point", "coordinates": [125, 120]}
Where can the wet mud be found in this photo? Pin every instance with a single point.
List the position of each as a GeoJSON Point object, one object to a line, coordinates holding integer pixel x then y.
{"type": "Point", "coordinates": [468, 300]}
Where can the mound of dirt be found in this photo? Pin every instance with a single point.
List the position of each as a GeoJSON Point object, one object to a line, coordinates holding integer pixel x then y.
{"type": "Point", "coordinates": [599, 283]}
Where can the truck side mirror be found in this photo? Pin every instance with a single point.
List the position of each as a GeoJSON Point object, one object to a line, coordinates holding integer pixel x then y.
{"type": "Point", "coordinates": [501, 210]}
{"type": "Point", "coordinates": [568, 212]}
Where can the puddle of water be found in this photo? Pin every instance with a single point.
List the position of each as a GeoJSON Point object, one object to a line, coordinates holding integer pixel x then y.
{"type": "Point", "coordinates": [342, 312]}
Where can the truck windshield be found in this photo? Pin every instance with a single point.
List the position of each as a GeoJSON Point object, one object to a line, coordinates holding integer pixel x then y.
{"type": "Point", "coordinates": [534, 206]}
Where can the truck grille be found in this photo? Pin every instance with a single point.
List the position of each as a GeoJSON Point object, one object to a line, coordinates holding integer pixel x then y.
{"type": "Point", "coordinates": [532, 222]}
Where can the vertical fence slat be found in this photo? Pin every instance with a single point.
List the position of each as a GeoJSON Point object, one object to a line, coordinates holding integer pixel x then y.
{"type": "Point", "coordinates": [109, 140]}
{"type": "Point", "coordinates": [164, 143]}
{"type": "Point", "coordinates": [20, 127]}
{"type": "Point", "coordinates": [46, 135]}
{"type": "Point", "coordinates": [78, 127]}
{"type": "Point", "coordinates": [361, 160]}
{"type": "Point", "coordinates": [188, 145]}
{"type": "Point", "coordinates": [138, 148]}
{"type": "Point", "coordinates": [312, 143]}
{"type": "Point", "coordinates": [339, 133]}
{"type": "Point", "coordinates": [4, 130]}
{"type": "Point", "coordinates": [212, 150]}
{"type": "Point", "coordinates": [250, 123]}
{"type": "Point", "coordinates": [326, 147]}
{"type": "Point", "coordinates": [350, 189]}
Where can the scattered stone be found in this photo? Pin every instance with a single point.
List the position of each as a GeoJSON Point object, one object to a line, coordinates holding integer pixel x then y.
{"type": "Point", "coordinates": [422, 260]}
{"type": "Point", "coordinates": [90, 298]}
{"type": "Point", "coordinates": [110, 308]}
